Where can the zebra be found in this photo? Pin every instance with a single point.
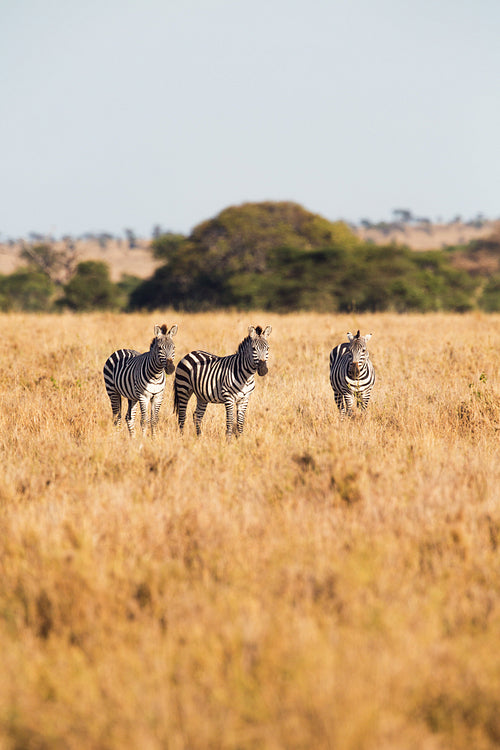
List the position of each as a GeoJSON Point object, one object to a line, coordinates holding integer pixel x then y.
{"type": "Point", "coordinates": [221, 380]}
{"type": "Point", "coordinates": [140, 378]}
{"type": "Point", "coordinates": [351, 373]}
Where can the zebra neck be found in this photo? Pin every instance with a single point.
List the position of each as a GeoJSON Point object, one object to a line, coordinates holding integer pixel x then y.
{"type": "Point", "coordinates": [153, 366]}
{"type": "Point", "coordinates": [244, 359]}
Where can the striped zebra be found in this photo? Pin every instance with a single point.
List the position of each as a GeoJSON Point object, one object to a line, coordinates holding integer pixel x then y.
{"type": "Point", "coordinates": [351, 373]}
{"type": "Point", "coordinates": [221, 380]}
{"type": "Point", "coordinates": [140, 378]}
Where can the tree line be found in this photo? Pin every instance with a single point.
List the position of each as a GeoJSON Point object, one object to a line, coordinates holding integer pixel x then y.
{"type": "Point", "coordinates": [272, 256]}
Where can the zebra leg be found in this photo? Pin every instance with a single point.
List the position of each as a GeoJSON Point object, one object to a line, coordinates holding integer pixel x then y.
{"type": "Point", "coordinates": [116, 407]}
{"type": "Point", "coordinates": [344, 403]}
{"type": "Point", "coordinates": [340, 402]}
{"type": "Point", "coordinates": [183, 399]}
{"type": "Point", "coordinates": [241, 408]}
{"type": "Point", "coordinates": [364, 398]}
{"type": "Point", "coordinates": [155, 410]}
{"type": "Point", "coordinates": [229, 403]}
{"type": "Point", "coordinates": [130, 418]}
{"type": "Point", "coordinates": [348, 403]}
{"type": "Point", "coordinates": [198, 414]}
{"type": "Point", "coordinates": [144, 404]}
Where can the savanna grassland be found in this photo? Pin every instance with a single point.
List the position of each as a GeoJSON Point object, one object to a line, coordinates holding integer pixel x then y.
{"type": "Point", "coordinates": [314, 584]}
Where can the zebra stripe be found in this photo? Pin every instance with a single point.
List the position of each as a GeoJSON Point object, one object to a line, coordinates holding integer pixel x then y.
{"type": "Point", "coordinates": [351, 373]}
{"type": "Point", "coordinates": [221, 380]}
{"type": "Point", "coordinates": [140, 378]}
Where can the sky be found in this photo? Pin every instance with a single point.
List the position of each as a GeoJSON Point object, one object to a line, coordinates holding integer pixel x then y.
{"type": "Point", "coordinates": [121, 114]}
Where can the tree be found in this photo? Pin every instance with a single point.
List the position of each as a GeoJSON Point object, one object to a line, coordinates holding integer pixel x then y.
{"type": "Point", "coordinates": [402, 215]}
{"type": "Point", "coordinates": [26, 289]}
{"type": "Point", "coordinates": [91, 288]}
{"type": "Point", "coordinates": [166, 245]}
{"type": "Point", "coordinates": [103, 238]}
{"type": "Point", "coordinates": [240, 240]}
{"type": "Point", "coordinates": [241, 237]}
{"type": "Point", "coordinates": [131, 238]}
{"type": "Point", "coordinates": [490, 298]}
{"type": "Point", "coordinates": [43, 257]}
{"type": "Point", "coordinates": [58, 265]}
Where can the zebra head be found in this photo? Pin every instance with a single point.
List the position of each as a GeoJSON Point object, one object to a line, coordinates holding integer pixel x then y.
{"type": "Point", "coordinates": [260, 347]}
{"type": "Point", "coordinates": [358, 353]}
{"type": "Point", "coordinates": [163, 348]}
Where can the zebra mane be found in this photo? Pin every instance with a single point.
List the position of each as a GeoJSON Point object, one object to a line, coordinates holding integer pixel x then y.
{"type": "Point", "coordinates": [244, 344]}
{"type": "Point", "coordinates": [248, 339]}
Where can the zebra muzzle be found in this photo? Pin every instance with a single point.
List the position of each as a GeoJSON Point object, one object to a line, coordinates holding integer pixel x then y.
{"type": "Point", "coordinates": [169, 367]}
{"type": "Point", "coordinates": [262, 368]}
{"type": "Point", "coordinates": [353, 370]}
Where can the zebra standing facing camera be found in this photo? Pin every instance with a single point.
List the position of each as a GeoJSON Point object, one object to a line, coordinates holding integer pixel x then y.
{"type": "Point", "coordinates": [351, 373]}
{"type": "Point", "coordinates": [140, 378]}
{"type": "Point", "coordinates": [221, 380]}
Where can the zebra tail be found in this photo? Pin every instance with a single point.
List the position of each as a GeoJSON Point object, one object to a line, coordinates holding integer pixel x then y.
{"type": "Point", "coordinates": [176, 399]}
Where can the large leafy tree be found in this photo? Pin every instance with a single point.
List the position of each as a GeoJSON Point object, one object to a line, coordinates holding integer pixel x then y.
{"type": "Point", "coordinates": [278, 256]}
{"type": "Point", "coordinates": [198, 269]}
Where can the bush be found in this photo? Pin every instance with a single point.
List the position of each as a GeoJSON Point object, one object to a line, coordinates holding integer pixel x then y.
{"type": "Point", "coordinates": [26, 289]}
{"type": "Point", "coordinates": [334, 278]}
{"type": "Point", "coordinates": [91, 288]}
{"type": "Point", "coordinates": [490, 297]}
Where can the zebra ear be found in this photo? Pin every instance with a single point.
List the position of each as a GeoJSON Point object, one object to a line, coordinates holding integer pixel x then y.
{"type": "Point", "coordinates": [157, 330]}
{"type": "Point", "coordinates": [350, 336]}
{"type": "Point", "coordinates": [267, 331]}
{"type": "Point", "coordinates": [251, 332]}
{"type": "Point", "coordinates": [173, 330]}
{"type": "Point", "coordinates": [368, 337]}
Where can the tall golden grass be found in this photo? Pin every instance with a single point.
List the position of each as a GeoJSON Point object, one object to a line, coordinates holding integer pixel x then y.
{"type": "Point", "coordinates": [314, 584]}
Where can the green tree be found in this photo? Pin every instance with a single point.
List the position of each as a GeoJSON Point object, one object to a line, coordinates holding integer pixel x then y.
{"type": "Point", "coordinates": [91, 288]}
{"type": "Point", "coordinates": [26, 289]}
{"type": "Point", "coordinates": [241, 240]}
{"type": "Point", "coordinates": [278, 256]}
{"type": "Point", "coordinates": [165, 246]}
{"type": "Point", "coordinates": [490, 297]}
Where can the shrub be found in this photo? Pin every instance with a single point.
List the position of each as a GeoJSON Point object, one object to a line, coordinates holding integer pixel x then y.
{"type": "Point", "coordinates": [26, 289]}
{"type": "Point", "coordinates": [91, 288]}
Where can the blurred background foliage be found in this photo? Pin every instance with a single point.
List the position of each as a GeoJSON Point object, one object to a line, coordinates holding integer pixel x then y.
{"type": "Point", "coordinates": [273, 256]}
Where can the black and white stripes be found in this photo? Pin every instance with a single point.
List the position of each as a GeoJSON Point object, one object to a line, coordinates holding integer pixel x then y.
{"type": "Point", "coordinates": [351, 373]}
{"type": "Point", "coordinates": [140, 378]}
{"type": "Point", "coordinates": [227, 380]}
{"type": "Point", "coordinates": [221, 380]}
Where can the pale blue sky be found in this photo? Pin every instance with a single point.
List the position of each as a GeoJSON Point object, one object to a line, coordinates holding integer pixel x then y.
{"type": "Point", "coordinates": [120, 113]}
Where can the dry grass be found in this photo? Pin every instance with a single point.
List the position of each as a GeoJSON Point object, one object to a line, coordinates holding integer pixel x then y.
{"type": "Point", "coordinates": [315, 584]}
{"type": "Point", "coordinates": [429, 237]}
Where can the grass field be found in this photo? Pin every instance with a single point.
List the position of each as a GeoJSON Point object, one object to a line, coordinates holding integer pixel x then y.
{"type": "Point", "coordinates": [315, 584]}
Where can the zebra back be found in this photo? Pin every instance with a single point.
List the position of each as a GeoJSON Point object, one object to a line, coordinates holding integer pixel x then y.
{"type": "Point", "coordinates": [130, 373]}
{"type": "Point", "coordinates": [218, 379]}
